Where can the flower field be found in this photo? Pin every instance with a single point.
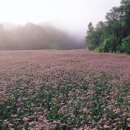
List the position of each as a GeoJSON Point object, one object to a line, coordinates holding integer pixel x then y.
{"type": "Point", "coordinates": [64, 90]}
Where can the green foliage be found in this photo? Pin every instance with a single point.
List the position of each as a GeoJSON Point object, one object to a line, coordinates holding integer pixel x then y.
{"type": "Point", "coordinates": [126, 44]}
{"type": "Point", "coordinates": [112, 35]}
{"type": "Point", "coordinates": [50, 100]}
{"type": "Point", "coordinates": [94, 38]}
{"type": "Point", "coordinates": [107, 45]}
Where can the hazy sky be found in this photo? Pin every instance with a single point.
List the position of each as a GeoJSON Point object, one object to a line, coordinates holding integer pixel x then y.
{"type": "Point", "coordinates": [72, 15]}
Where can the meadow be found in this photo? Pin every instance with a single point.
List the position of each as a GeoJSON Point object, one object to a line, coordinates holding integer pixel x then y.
{"type": "Point", "coordinates": [64, 90]}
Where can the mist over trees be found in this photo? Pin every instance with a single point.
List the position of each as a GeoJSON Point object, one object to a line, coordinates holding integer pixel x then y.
{"type": "Point", "coordinates": [113, 35]}
{"type": "Point", "coordinates": [36, 37]}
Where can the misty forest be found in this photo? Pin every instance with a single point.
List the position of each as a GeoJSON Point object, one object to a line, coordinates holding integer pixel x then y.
{"type": "Point", "coordinates": [36, 37]}
{"type": "Point", "coordinates": [54, 79]}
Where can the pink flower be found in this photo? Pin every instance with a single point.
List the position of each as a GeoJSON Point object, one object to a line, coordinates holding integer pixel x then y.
{"type": "Point", "coordinates": [85, 110]}
{"type": "Point", "coordinates": [61, 111]}
{"type": "Point", "coordinates": [5, 122]}
{"type": "Point", "coordinates": [18, 110]}
{"type": "Point", "coordinates": [40, 118]}
{"type": "Point", "coordinates": [129, 114]}
{"type": "Point", "coordinates": [25, 119]}
{"type": "Point", "coordinates": [56, 122]}
{"type": "Point", "coordinates": [128, 125]}
{"type": "Point", "coordinates": [11, 129]}
{"type": "Point", "coordinates": [45, 121]}
{"type": "Point", "coordinates": [75, 129]}
{"type": "Point", "coordinates": [106, 127]}
{"type": "Point", "coordinates": [46, 127]}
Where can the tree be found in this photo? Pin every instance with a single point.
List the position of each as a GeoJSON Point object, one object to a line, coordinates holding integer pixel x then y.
{"type": "Point", "coordinates": [93, 37]}
{"type": "Point", "coordinates": [90, 28]}
{"type": "Point", "coordinates": [112, 35]}
{"type": "Point", "coordinates": [126, 44]}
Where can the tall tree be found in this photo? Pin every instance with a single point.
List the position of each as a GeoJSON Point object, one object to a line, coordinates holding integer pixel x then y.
{"type": "Point", "coordinates": [112, 35]}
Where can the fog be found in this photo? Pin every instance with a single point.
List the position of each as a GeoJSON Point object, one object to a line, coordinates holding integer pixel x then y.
{"type": "Point", "coordinates": [72, 15]}
{"type": "Point", "coordinates": [32, 36]}
{"type": "Point", "coordinates": [54, 24]}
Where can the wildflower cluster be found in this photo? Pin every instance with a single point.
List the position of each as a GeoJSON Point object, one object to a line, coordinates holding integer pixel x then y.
{"type": "Point", "coordinates": [71, 90]}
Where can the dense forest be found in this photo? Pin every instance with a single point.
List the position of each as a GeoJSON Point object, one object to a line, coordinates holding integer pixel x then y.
{"type": "Point", "coordinates": [36, 37]}
{"type": "Point", "coordinates": [113, 35]}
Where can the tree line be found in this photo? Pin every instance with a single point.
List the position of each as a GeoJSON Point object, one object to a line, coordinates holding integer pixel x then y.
{"type": "Point", "coordinates": [36, 37]}
{"type": "Point", "coordinates": [113, 35]}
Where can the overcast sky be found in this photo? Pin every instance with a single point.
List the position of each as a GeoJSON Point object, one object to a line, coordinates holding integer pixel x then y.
{"type": "Point", "coordinates": [71, 15]}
